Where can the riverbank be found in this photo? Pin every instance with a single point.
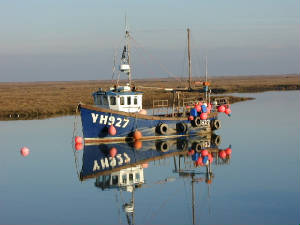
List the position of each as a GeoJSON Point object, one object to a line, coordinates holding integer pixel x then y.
{"type": "Point", "coordinates": [36, 100]}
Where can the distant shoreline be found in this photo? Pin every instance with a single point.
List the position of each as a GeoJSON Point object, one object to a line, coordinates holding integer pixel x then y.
{"type": "Point", "coordinates": [40, 100]}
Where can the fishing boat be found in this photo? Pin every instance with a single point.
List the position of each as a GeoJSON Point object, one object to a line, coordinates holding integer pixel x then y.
{"type": "Point", "coordinates": [118, 115]}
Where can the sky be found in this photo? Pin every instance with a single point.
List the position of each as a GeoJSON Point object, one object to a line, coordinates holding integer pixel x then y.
{"type": "Point", "coordinates": [55, 40]}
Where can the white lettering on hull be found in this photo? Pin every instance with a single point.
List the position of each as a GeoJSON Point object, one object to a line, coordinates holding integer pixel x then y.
{"type": "Point", "coordinates": [107, 162]}
{"type": "Point", "coordinates": [118, 122]}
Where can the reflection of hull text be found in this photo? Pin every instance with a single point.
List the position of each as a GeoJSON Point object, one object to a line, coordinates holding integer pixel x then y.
{"type": "Point", "coordinates": [111, 162]}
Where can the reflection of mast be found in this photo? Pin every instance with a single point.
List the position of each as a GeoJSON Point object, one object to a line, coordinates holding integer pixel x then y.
{"type": "Point", "coordinates": [192, 174]}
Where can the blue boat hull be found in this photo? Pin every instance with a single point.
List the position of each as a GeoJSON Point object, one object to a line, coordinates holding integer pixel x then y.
{"type": "Point", "coordinates": [96, 121]}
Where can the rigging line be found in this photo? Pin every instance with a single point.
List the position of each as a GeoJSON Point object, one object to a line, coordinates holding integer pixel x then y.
{"type": "Point", "coordinates": [153, 58]}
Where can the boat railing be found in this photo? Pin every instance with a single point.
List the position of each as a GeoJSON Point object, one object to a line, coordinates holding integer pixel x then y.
{"type": "Point", "coordinates": [160, 104]}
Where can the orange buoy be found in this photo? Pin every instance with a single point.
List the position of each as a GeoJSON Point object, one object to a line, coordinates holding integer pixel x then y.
{"type": "Point", "coordinates": [78, 146]}
{"type": "Point", "coordinates": [113, 152]}
{"type": "Point", "coordinates": [137, 135]}
{"type": "Point", "coordinates": [203, 116]}
{"type": "Point", "coordinates": [78, 139]}
{"type": "Point", "coordinates": [112, 130]}
{"type": "Point", "coordinates": [24, 151]}
{"type": "Point", "coordinates": [145, 165]}
{"type": "Point", "coordinates": [221, 108]}
{"type": "Point", "coordinates": [191, 118]}
{"type": "Point", "coordinates": [138, 144]}
{"type": "Point", "coordinates": [210, 158]}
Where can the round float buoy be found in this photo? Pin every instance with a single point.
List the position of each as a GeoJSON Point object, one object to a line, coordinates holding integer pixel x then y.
{"type": "Point", "coordinates": [78, 139]}
{"type": "Point", "coordinates": [203, 116]}
{"type": "Point", "coordinates": [228, 151]}
{"type": "Point", "coordinates": [137, 135]}
{"type": "Point", "coordinates": [24, 151]}
{"type": "Point", "coordinates": [138, 144]}
{"type": "Point", "coordinates": [191, 118]}
{"type": "Point", "coordinates": [227, 111]}
{"type": "Point", "coordinates": [199, 162]}
{"type": "Point", "coordinates": [113, 152]}
{"type": "Point", "coordinates": [143, 112]}
{"type": "Point", "coordinates": [221, 108]}
{"type": "Point", "coordinates": [204, 152]}
{"type": "Point", "coordinates": [222, 154]}
{"type": "Point", "coordinates": [198, 108]}
{"type": "Point", "coordinates": [193, 112]}
{"type": "Point", "coordinates": [78, 146]}
{"type": "Point", "coordinates": [191, 152]}
{"type": "Point", "coordinates": [112, 130]}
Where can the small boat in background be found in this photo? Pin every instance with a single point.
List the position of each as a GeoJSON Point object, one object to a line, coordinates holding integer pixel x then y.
{"type": "Point", "coordinates": [118, 115]}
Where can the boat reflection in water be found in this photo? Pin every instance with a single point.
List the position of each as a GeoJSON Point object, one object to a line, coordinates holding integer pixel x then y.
{"type": "Point", "coordinates": [121, 166]}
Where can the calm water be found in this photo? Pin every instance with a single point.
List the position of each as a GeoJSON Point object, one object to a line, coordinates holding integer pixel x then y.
{"type": "Point", "coordinates": [260, 185]}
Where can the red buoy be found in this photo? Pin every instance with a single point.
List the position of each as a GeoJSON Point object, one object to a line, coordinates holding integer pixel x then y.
{"type": "Point", "coordinates": [228, 151]}
{"type": "Point", "coordinates": [138, 144]}
{"type": "Point", "coordinates": [137, 135]}
{"type": "Point", "coordinates": [222, 154]}
{"type": "Point", "coordinates": [221, 108]}
{"type": "Point", "coordinates": [113, 151]}
{"type": "Point", "coordinates": [191, 118]}
{"type": "Point", "coordinates": [24, 151]}
{"type": "Point", "coordinates": [198, 108]}
{"type": "Point", "coordinates": [78, 139]}
{"type": "Point", "coordinates": [78, 146]}
{"type": "Point", "coordinates": [204, 152]}
{"type": "Point", "coordinates": [112, 130]}
{"type": "Point", "coordinates": [203, 116]}
{"type": "Point", "coordinates": [199, 162]}
{"type": "Point", "coordinates": [191, 152]}
{"type": "Point", "coordinates": [227, 111]}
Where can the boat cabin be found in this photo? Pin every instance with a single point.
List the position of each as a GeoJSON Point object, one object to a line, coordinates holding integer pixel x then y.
{"type": "Point", "coordinates": [121, 98]}
{"type": "Point", "coordinates": [124, 179]}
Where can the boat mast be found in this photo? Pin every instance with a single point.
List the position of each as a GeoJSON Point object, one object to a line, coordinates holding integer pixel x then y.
{"type": "Point", "coordinates": [206, 89]}
{"type": "Point", "coordinates": [189, 60]}
{"type": "Point", "coordinates": [127, 36]}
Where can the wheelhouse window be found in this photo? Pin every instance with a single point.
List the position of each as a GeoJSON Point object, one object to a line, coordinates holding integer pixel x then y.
{"type": "Point", "coordinates": [122, 100]}
{"type": "Point", "coordinates": [112, 100]}
{"type": "Point", "coordinates": [129, 100]}
{"type": "Point", "coordinates": [105, 101]}
{"type": "Point", "coordinates": [98, 100]}
{"type": "Point", "coordinates": [135, 100]}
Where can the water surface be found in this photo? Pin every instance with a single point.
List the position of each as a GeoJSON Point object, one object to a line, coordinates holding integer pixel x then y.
{"type": "Point", "coordinates": [259, 186]}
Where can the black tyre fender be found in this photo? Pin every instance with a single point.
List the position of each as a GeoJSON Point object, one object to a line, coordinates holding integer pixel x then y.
{"type": "Point", "coordinates": [162, 128]}
{"type": "Point", "coordinates": [162, 146]}
{"type": "Point", "coordinates": [216, 140]}
{"type": "Point", "coordinates": [181, 127]}
{"type": "Point", "coordinates": [196, 122]}
{"type": "Point", "coordinates": [216, 124]}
